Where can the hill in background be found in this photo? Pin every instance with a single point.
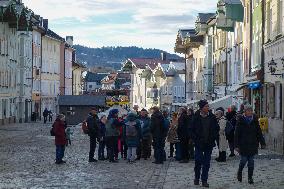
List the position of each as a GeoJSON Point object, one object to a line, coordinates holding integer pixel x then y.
{"type": "Point", "coordinates": [115, 56]}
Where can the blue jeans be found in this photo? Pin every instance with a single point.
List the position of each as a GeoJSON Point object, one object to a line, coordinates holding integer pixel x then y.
{"type": "Point", "coordinates": [202, 160]}
{"type": "Point", "coordinates": [246, 159]}
{"type": "Point", "coordinates": [60, 152]}
{"type": "Point", "coordinates": [101, 151]}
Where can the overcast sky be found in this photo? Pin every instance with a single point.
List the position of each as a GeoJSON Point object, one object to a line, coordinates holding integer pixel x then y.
{"type": "Point", "coordinates": [142, 23]}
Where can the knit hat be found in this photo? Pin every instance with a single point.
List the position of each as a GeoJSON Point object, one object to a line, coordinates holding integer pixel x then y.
{"type": "Point", "coordinates": [202, 103]}
{"type": "Point", "coordinates": [221, 109]}
{"type": "Point", "coordinates": [143, 110]}
{"type": "Point", "coordinates": [248, 107]}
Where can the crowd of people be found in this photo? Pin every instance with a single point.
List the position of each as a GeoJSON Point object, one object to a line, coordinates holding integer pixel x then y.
{"type": "Point", "coordinates": [191, 135]}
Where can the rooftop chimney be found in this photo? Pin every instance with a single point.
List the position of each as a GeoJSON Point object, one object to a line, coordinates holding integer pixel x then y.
{"type": "Point", "coordinates": [45, 24]}
{"type": "Point", "coordinates": [69, 40]}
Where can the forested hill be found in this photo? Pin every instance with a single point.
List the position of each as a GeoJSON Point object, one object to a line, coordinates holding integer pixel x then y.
{"type": "Point", "coordinates": [114, 56]}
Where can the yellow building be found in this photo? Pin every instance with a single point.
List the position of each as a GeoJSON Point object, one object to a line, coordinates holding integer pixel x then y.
{"type": "Point", "coordinates": [77, 85]}
{"type": "Point", "coordinates": [50, 70]}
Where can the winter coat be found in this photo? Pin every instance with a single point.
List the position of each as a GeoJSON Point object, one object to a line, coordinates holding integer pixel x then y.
{"type": "Point", "coordinates": [183, 128]}
{"type": "Point", "coordinates": [59, 130]}
{"type": "Point", "coordinates": [158, 129]}
{"type": "Point", "coordinates": [232, 118]}
{"type": "Point", "coordinates": [132, 141]}
{"type": "Point", "coordinates": [223, 144]}
{"type": "Point", "coordinates": [172, 134]}
{"type": "Point", "coordinates": [197, 132]}
{"type": "Point", "coordinates": [93, 125]}
{"type": "Point", "coordinates": [146, 127]}
{"type": "Point", "coordinates": [112, 127]}
{"type": "Point", "coordinates": [248, 136]}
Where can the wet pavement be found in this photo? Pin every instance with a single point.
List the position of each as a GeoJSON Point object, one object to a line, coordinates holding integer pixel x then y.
{"type": "Point", "coordinates": [28, 153]}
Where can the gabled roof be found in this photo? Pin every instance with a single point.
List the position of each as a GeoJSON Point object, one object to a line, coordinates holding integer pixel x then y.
{"type": "Point", "coordinates": [183, 33]}
{"type": "Point", "coordinates": [81, 100]}
{"type": "Point", "coordinates": [151, 62]}
{"type": "Point", "coordinates": [54, 35]}
{"type": "Point", "coordinates": [95, 77]}
{"type": "Point", "coordinates": [204, 17]}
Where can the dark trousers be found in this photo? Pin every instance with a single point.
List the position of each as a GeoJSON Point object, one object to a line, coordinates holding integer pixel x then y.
{"type": "Point", "coordinates": [231, 146]}
{"type": "Point", "coordinates": [244, 160]}
{"type": "Point", "coordinates": [191, 150]}
{"type": "Point", "coordinates": [116, 147]}
{"type": "Point", "coordinates": [124, 149]}
{"type": "Point", "coordinates": [44, 119]}
{"type": "Point", "coordinates": [101, 151]}
{"type": "Point", "coordinates": [172, 149]}
{"type": "Point", "coordinates": [111, 145]}
{"type": "Point", "coordinates": [139, 151]}
{"type": "Point", "coordinates": [146, 148]}
{"type": "Point", "coordinates": [158, 150]}
{"type": "Point", "coordinates": [50, 118]}
{"type": "Point", "coordinates": [184, 145]}
{"type": "Point", "coordinates": [93, 145]}
{"type": "Point", "coordinates": [202, 160]}
{"type": "Point", "coordinates": [178, 154]}
{"type": "Point", "coordinates": [59, 152]}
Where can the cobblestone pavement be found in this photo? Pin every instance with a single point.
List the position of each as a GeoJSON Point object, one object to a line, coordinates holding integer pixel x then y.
{"type": "Point", "coordinates": [28, 153]}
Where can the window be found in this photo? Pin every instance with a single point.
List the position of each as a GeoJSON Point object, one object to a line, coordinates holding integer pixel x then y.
{"type": "Point", "coordinates": [90, 86]}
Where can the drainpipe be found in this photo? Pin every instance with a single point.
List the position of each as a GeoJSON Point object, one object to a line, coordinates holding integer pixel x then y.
{"type": "Point", "coordinates": [185, 78]}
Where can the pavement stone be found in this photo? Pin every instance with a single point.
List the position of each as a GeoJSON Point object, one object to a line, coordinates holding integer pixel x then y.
{"type": "Point", "coordinates": [28, 153]}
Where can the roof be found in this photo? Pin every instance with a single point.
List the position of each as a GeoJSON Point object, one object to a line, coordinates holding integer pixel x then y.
{"type": "Point", "coordinates": [179, 66]}
{"type": "Point", "coordinates": [79, 64]}
{"type": "Point", "coordinates": [183, 33]}
{"type": "Point", "coordinates": [109, 78]}
{"type": "Point", "coordinates": [231, 1]}
{"type": "Point", "coordinates": [54, 35]}
{"type": "Point", "coordinates": [81, 100]}
{"type": "Point", "coordinates": [204, 17]}
{"type": "Point", "coordinates": [95, 77]}
{"type": "Point", "coordinates": [151, 62]}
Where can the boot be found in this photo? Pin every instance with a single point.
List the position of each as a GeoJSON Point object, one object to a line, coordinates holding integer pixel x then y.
{"type": "Point", "coordinates": [250, 174]}
{"type": "Point", "coordinates": [240, 176]}
{"type": "Point", "coordinates": [223, 155]}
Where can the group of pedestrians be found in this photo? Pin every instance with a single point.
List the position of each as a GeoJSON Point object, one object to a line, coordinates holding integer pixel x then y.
{"type": "Point", "coordinates": [192, 135]}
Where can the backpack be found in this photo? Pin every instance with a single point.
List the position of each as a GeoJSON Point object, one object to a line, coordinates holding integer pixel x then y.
{"type": "Point", "coordinates": [229, 128]}
{"type": "Point", "coordinates": [131, 130]}
{"type": "Point", "coordinates": [52, 133]}
{"type": "Point", "coordinates": [85, 128]}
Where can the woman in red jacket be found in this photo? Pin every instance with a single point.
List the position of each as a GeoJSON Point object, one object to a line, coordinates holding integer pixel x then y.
{"type": "Point", "coordinates": [60, 138]}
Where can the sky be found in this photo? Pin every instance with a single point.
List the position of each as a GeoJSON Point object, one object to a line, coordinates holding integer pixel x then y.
{"type": "Point", "coordinates": [142, 23]}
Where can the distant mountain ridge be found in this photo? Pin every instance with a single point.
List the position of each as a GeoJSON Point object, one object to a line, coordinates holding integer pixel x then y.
{"type": "Point", "coordinates": [114, 56]}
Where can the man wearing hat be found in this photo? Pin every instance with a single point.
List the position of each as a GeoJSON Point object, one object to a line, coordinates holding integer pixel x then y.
{"type": "Point", "coordinates": [93, 127]}
{"type": "Point", "coordinates": [204, 132]}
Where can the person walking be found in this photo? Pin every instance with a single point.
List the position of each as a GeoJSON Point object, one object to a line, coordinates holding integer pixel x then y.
{"type": "Point", "coordinates": [112, 133]}
{"type": "Point", "coordinates": [223, 145]}
{"type": "Point", "coordinates": [132, 135]}
{"type": "Point", "coordinates": [158, 131]}
{"type": "Point", "coordinates": [183, 135]}
{"type": "Point", "coordinates": [146, 134]}
{"type": "Point", "coordinates": [102, 143]}
{"type": "Point", "coordinates": [190, 115]}
{"type": "Point", "coordinates": [50, 116]}
{"type": "Point", "coordinates": [204, 131]}
{"type": "Point", "coordinates": [167, 124]}
{"type": "Point", "coordinates": [248, 136]}
{"type": "Point", "coordinates": [172, 137]}
{"type": "Point", "coordinates": [45, 114]}
{"type": "Point", "coordinates": [94, 133]}
{"type": "Point", "coordinates": [232, 118]}
{"type": "Point", "coordinates": [60, 138]}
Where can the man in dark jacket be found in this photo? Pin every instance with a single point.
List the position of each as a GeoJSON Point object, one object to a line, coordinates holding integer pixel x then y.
{"type": "Point", "coordinates": [232, 118]}
{"type": "Point", "coordinates": [204, 131]}
{"type": "Point", "coordinates": [60, 138]}
{"type": "Point", "coordinates": [146, 134]}
{"type": "Point", "coordinates": [183, 135]}
{"type": "Point", "coordinates": [248, 135]}
{"type": "Point", "coordinates": [158, 132]}
{"type": "Point", "coordinates": [93, 127]}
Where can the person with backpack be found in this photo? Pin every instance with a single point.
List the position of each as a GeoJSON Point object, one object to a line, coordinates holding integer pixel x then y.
{"type": "Point", "coordinates": [204, 131]}
{"type": "Point", "coordinates": [132, 135]}
{"type": "Point", "coordinates": [223, 145]}
{"type": "Point", "coordinates": [94, 133]}
{"type": "Point", "coordinates": [60, 138]}
{"type": "Point", "coordinates": [248, 136]}
{"type": "Point", "coordinates": [102, 143]}
{"type": "Point", "coordinates": [158, 132]}
{"type": "Point", "coordinates": [112, 133]}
